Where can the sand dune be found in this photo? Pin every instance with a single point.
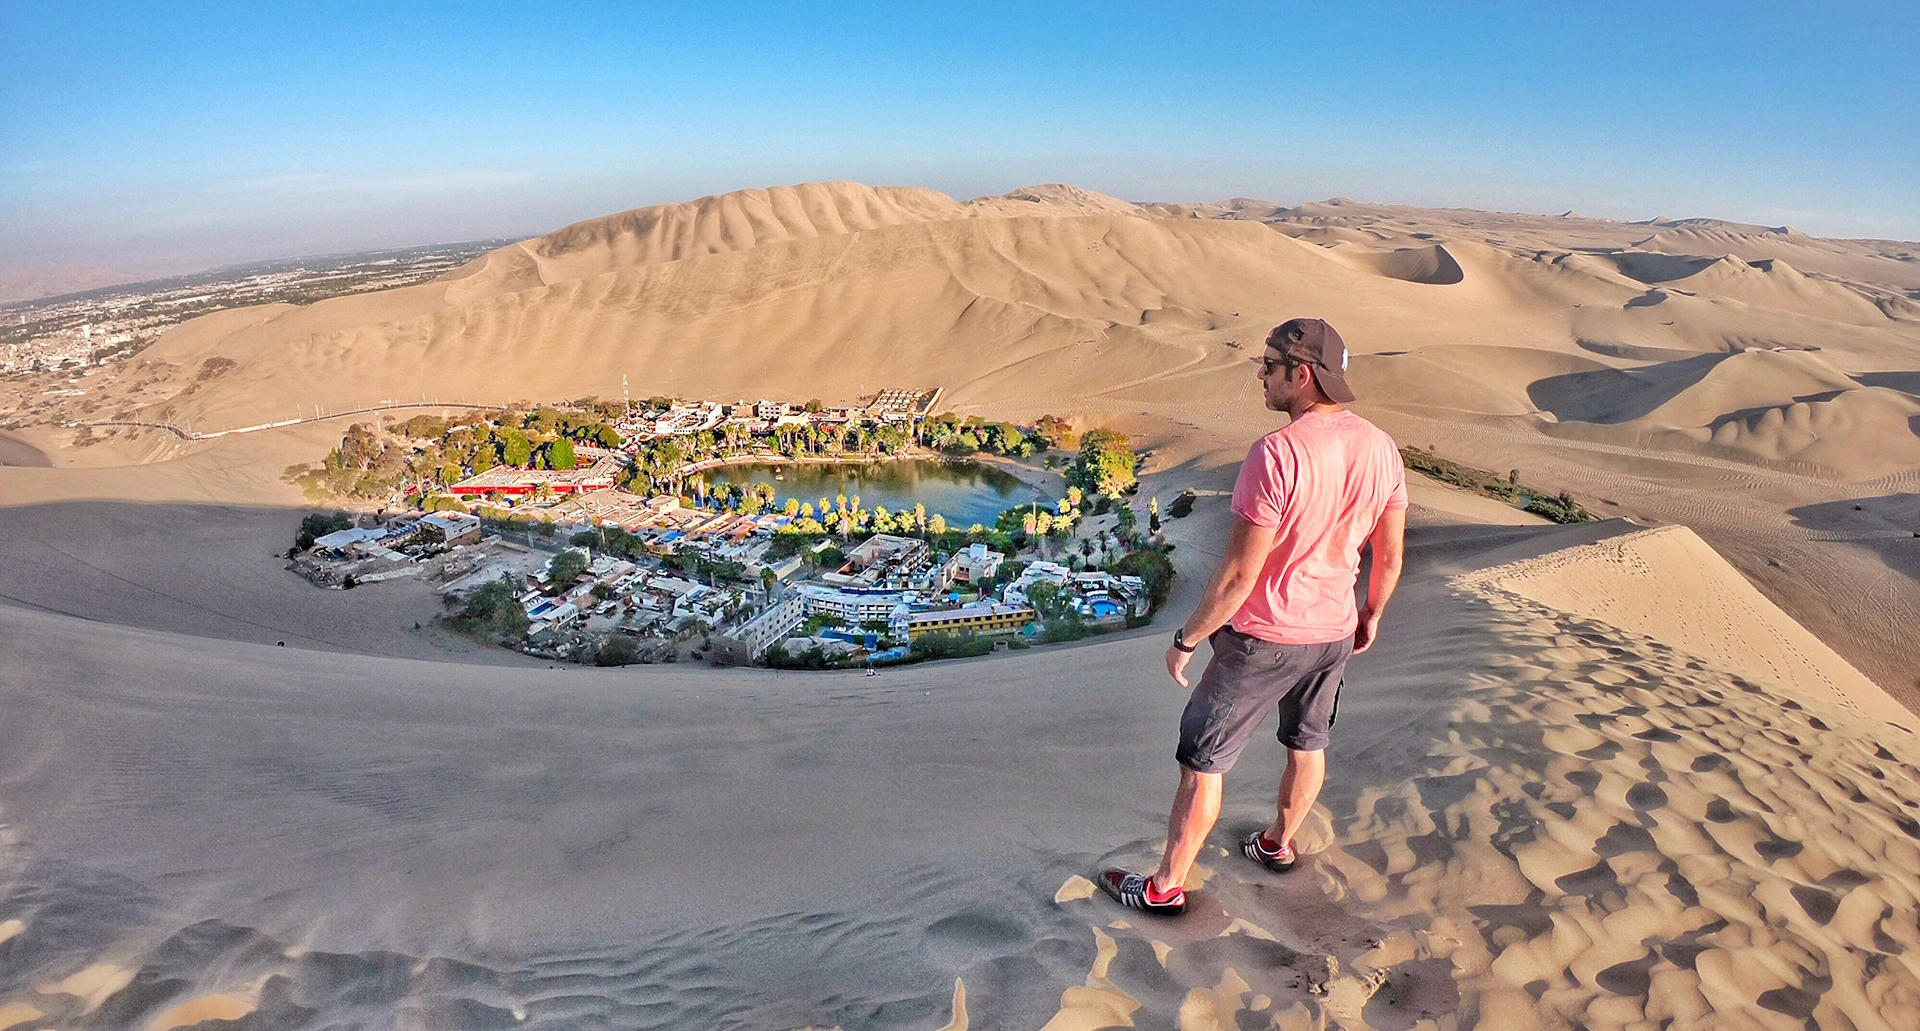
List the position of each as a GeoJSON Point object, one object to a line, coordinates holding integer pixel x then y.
{"type": "Point", "coordinates": [1876, 261]}
{"type": "Point", "coordinates": [1773, 406]}
{"type": "Point", "coordinates": [1540, 817]}
{"type": "Point", "coordinates": [1430, 265]}
{"type": "Point", "coordinates": [1772, 283]}
{"type": "Point", "coordinates": [1557, 337]}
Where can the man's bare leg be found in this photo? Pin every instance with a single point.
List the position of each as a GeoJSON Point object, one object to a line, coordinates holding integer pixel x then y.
{"type": "Point", "coordinates": [1195, 808]}
{"type": "Point", "coordinates": [1299, 787]}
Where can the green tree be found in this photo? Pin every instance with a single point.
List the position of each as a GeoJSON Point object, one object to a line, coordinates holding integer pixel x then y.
{"type": "Point", "coordinates": [560, 454]}
{"type": "Point", "coordinates": [564, 570]}
{"type": "Point", "coordinates": [1152, 566]}
{"type": "Point", "coordinates": [517, 450]}
{"type": "Point", "coordinates": [616, 650]}
{"type": "Point", "coordinates": [493, 611]}
{"type": "Point", "coordinates": [1105, 463]}
{"type": "Point", "coordinates": [937, 524]}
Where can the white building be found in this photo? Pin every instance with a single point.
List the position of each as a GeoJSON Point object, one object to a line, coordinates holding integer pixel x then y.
{"type": "Point", "coordinates": [350, 535]}
{"type": "Point", "coordinates": [973, 565]}
{"type": "Point", "coordinates": [703, 603]}
{"type": "Point", "coordinates": [856, 607]}
{"type": "Point", "coordinates": [1039, 572]}
{"type": "Point", "coordinates": [748, 641]}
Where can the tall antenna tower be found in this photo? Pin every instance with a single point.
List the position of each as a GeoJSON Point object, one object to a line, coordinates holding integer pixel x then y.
{"type": "Point", "coordinates": [626, 396]}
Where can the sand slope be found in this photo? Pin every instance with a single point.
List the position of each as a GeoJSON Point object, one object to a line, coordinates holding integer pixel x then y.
{"type": "Point", "coordinates": [1537, 819]}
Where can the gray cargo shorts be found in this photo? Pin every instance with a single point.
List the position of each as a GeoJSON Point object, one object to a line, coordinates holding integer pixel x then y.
{"type": "Point", "coordinates": [1247, 674]}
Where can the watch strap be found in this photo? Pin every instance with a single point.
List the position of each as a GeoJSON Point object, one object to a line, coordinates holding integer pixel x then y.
{"type": "Point", "coordinates": [1180, 641]}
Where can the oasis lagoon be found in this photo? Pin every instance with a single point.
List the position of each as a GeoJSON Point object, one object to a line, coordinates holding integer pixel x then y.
{"type": "Point", "coordinates": [966, 492]}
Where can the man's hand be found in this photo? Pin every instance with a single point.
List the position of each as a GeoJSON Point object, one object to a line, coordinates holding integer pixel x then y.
{"type": "Point", "coordinates": [1369, 628]}
{"type": "Point", "coordinates": [1177, 665]}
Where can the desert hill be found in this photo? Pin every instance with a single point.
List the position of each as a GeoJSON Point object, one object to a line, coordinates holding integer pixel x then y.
{"type": "Point", "coordinates": [1734, 354]}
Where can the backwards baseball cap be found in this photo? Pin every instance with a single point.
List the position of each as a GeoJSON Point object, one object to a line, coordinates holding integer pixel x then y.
{"type": "Point", "coordinates": [1313, 342]}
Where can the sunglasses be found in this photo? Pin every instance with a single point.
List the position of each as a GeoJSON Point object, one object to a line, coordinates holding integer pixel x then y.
{"type": "Point", "coordinates": [1267, 365]}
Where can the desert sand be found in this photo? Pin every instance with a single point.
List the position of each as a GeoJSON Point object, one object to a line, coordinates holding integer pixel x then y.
{"type": "Point", "coordinates": [1659, 770]}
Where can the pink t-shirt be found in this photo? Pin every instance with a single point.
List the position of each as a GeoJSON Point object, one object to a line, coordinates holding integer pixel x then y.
{"type": "Point", "coordinates": [1323, 480]}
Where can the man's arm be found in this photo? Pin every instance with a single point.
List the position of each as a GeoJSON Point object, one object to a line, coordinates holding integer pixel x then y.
{"type": "Point", "coordinates": [1389, 544]}
{"type": "Point", "coordinates": [1247, 550]}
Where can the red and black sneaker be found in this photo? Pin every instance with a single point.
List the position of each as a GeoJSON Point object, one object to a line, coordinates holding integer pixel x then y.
{"type": "Point", "coordinates": [1259, 848]}
{"type": "Point", "coordinates": [1137, 891]}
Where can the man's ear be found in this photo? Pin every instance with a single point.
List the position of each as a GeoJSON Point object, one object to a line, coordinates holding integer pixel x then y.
{"type": "Point", "coordinates": [1311, 378]}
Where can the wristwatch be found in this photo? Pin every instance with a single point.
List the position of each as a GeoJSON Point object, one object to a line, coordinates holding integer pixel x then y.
{"type": "Point", "coordinates": [1180, 641]}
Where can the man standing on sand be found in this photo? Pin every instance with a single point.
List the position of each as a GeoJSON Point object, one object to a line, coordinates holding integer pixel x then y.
{"type": "Point", "coordinates": [1280, 610]}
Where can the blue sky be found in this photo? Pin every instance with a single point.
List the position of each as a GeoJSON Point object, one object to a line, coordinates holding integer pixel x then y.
{"type": "Point", "coordinates": [139, 138]}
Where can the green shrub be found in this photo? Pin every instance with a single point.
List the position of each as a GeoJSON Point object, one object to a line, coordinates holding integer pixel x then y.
{"type": "Point", "coordinates": [944, 645]}
{"type": "Point", "coordinates": [1151, 565]}
{"type": "Point", "coordinates": [1562, 509]}
{"type": "Point", "coordinates": [493, 613]}
{"type": "Point", "coordinates": [616, 650]}
{"type": "Point", "coordinates": [318, 525]}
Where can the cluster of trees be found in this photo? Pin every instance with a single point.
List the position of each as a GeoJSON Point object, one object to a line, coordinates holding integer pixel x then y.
{"type": "Point", "coordinates": [1059, 620]}
{"type": "Point", "coordinates": [845, 517]}
{"type": "Point", "coordinates": [953, 435]}
{"type": "Point", "coordinates": [1023, 523]}
{"type": "Point", "coordinates": [657, 463]}
{"type": "Point", "coordinates": [616, 650]}
{"type": "Point", "coordinates": [434, 449]}
{"type": "Point", "coordinates": [565, 570]}
{"type": "Point", "coordinates": [361, 467]}
{"type": "Point", "coordinates": [1105, 465]}
{"type": "Point", "coordinates": [493, 613]}
{"type": "Point", "coordinates": [1152, 565]}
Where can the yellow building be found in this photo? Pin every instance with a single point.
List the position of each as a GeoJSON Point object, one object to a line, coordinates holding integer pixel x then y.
{"type": "Point", "coordinates": [986, 618]}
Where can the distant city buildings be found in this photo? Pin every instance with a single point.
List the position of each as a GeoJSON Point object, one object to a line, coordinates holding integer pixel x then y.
{"type": "Point", "coordinates": [75, 331]}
